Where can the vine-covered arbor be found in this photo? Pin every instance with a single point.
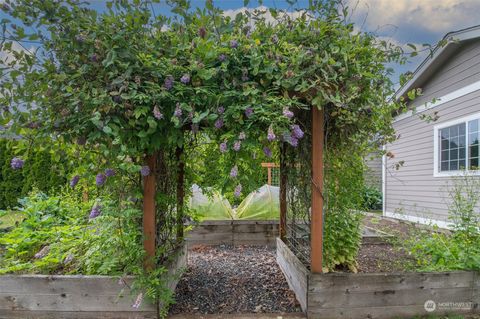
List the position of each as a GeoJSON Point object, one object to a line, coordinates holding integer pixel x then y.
{"type": "Point", "coordinates": [144, 91]}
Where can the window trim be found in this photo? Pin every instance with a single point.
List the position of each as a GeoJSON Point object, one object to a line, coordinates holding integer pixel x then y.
{"type": "Point", "coordinates": [436, 154]}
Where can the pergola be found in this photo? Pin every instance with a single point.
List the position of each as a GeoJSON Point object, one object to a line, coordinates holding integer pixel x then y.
{"type": "Point", "coordinates": [317, 201]}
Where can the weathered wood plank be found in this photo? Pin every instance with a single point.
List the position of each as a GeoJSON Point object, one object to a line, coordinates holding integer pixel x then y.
{"type": "Point", "coordinates": [38, 284]}
{"type": "Point", "coordinates": [235, 232]}
{"type": "Point", "coordinates": [71, 302]}
{"type": "Point", "coordinates": [389, 281]}
{"type": "Point", "coordinates": [41, 296]}
{"type": "Point", "coordinates": [294, 271]}
{"type": "Point", "coordinates": [373, 312]}
{"type": "Point", "coordinates": [76, 315]}
{"type": "Point", "coordinates": [386, 298]}
{"type": "Point", "coordinates": [476, 291]}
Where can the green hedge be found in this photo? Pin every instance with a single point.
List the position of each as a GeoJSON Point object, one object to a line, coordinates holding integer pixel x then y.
{"type": "Point", "coordinates": [40, 171]}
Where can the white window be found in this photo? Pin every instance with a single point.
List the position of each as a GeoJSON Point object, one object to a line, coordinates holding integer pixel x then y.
{"type": "Point", "coordinates": [457, 147]}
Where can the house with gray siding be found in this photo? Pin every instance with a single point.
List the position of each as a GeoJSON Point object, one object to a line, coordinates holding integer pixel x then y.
{"type": "Point", "coordinates": [438, 138]}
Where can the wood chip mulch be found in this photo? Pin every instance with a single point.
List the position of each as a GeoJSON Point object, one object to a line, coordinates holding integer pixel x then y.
{"type": "Point", "coordinates": [226, 279]}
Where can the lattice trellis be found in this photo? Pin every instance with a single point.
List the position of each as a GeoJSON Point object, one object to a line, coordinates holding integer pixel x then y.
{"type": "Point", "coordinates": [298, 170]}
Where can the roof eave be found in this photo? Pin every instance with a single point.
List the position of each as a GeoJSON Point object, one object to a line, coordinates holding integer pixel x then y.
{"type": "Point", "coordinates": [430, 64]}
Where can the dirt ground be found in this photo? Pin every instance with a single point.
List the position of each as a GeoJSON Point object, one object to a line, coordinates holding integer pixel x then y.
{"type": "Point", "coordinates": [226, 279]}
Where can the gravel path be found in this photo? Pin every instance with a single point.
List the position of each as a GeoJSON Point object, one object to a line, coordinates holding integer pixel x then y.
{"type": "Point", "coordinates": [225, 279]}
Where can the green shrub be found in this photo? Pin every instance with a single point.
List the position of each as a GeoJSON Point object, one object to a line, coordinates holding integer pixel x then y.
{"type": "Point", "coordinates": [372, 198]}
{"type": "Point", "coordinates": [59, 229]}
{"type": "Point", "coordinates": [460, 249]}
{"type": "Point", "coordinates": [344, 180]}
{"type": "Point", "coordinates": [41, 170]}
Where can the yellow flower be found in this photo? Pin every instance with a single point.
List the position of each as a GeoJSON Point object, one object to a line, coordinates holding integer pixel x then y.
{"type": "Point", "coordinates": [257, 41]}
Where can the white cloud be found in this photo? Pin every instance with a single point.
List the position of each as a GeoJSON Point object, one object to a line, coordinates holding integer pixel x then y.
{"type": "Point", "coordinates": [436, 16]}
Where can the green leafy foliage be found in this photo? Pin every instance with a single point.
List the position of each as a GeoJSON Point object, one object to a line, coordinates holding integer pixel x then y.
{"type": "Point", "coordinates": [107, 245]}
{"type": "Point", "coordinates": [344, 182]}
{"type": "Point", "coordinates": [372, 198]}
{"type": "Point", "coordinates": [126, 83]}
{"type": "Point", "coordinates": [42, 170]}
{"type": "Point", "coordinates": [459, 249]}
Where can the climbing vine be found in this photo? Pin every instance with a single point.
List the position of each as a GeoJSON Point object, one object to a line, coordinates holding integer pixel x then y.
{"type": "Point", "coordinates": [127, 83]}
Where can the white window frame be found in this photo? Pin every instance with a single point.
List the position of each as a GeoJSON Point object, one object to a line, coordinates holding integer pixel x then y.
{"type": "Point", "coordinates": [436, 128]}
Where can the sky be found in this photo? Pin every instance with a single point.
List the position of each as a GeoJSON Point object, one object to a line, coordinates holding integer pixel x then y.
{"type": "Point", "coordinates": [398, 21]}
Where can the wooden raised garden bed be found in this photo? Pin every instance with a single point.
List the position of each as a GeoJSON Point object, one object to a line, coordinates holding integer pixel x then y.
{"type": "Point", "coordinates": [77, 296]}
{"type": "Point", "coordinates": [234, 232]}
{"type": "Point", "coordinates": [379, 295]}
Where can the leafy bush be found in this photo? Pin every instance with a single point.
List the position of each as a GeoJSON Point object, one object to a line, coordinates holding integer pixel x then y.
{"type": "Point", "coordinates": [344, 179]}
{"type": "Point", "coordinates": [372, 198]}
{"type": "Point", "coordinates": [42, 170]}
{"type": "Point", "coordinates": [57, 236]}
{"type": "Point", "coordinates": [460, 249]}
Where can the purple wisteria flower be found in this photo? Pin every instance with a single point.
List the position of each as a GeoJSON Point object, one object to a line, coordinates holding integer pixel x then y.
{"type": "Point", "coordinates": [109, 172]}
{"type": "Point", "coordinates": [233, 44]}
{"type": "Point", "coordinates": [178, 111]}
{"type": "Point", "coordinates": [168, 83]}
{"type": "Point", "coordinates": [94, 58]}
{"type": "Point", "coordinates": [237, 145]}
{"type": "Point", "coordinates": [74, 181]}
{"type": "Point", "coordinates": [297, 132]}
{"type": "Point", "coordinates": [222, 57]}
{"type": "Point", "coordinates": [271, 135]}
{"type": "Point", "coordinates": [245, 78]}
{"type": "Point", "coordinates": [17, 163]}
{"type": "Point", "coordinates": [42, 253]}
{"type": "Point", "coordinates": [185, 79]}
{"type": "Point", "coordinates": [221, 110]}
{"type": "Point", "coordinates": [223, 147]}
{"type": "Point", "coordinates": [100, 179]}
{"type": "Point", "coordinates": [95, 212]}
{"type": "Point", "coordinates": [248, 112]}
{"type": "Point", "coordinates": [145, 170]}
{"type": "Point", "coordinates": [238, 190]}
{"type": "Point", "coordinates": [290, 139]}
{"type": "Point", "coordinates": [234, 172]}
{"type": "Point", "coordinates": [219, 123]}
{"type": "Point", "coordinates": [156, 113]}
{"type": "Point", "coordinates": [287, 113]}
{"type": "Point", "coordinates": [267, 151]}
{"type": "Point", "coordinates": [293, 141]}
{"type": "Point", "coordinates": [242, 136]}
{"type": "Point", "coordinates": [138, 301]}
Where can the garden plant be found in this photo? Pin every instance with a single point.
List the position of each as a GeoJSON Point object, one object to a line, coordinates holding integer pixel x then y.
{"type": "Point", "coordinates": [140, 96]}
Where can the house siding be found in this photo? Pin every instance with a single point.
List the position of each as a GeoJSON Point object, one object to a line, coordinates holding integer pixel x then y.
{"type": "Point", "coordinates": [459, 71]}
{"type": "Point", "coordinates": [412, 190]}
{"type": "Point", "coordinates": [373, 173]}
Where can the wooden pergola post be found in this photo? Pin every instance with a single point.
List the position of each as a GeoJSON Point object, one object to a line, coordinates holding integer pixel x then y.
{"type": "Point", "coordinates": [283, 193]}
{"type": "Point", "coordinates": [180, 192]}
{"type": "Point", "coordinates": [316, 227]}
{"type": "Point", "coordinates": [149, 223]}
